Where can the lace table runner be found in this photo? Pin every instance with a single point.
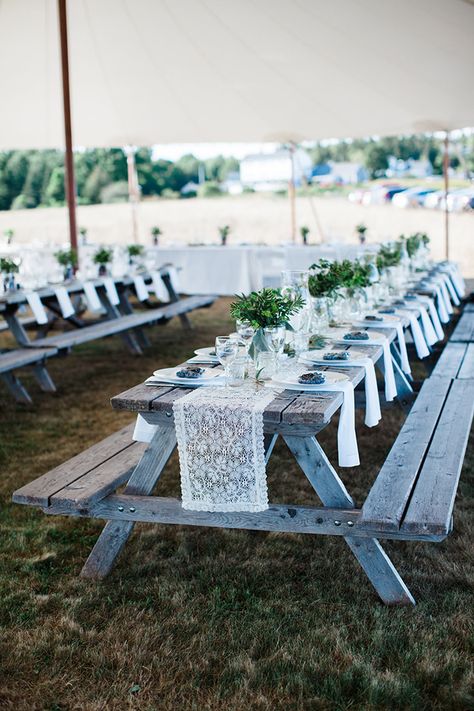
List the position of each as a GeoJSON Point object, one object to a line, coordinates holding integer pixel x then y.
{"type": "Point", "coordinates": [221, 448]}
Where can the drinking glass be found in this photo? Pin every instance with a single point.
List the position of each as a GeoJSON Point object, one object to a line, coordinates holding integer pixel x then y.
{"type": "Point", "coordinates": [246, 333]}
{"type": "Point", "coordinates": [275, 338]}
{"type": "Point", "coordinates": [227, 349]}
{"type": "Point", "coordinates": [237, 371]}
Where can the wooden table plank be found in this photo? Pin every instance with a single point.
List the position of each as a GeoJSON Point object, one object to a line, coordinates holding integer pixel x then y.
{"type": "Point", "coordinates": [464, 331]}
{"type": "Point", "coordinates": [450, 361]}
{"type": "Point", "coordinates": [467, 367]}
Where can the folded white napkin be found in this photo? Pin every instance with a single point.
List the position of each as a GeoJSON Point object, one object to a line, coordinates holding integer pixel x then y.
{"type": "Point", "coordinates": [143, 431]}
{"type": "Point", "coordinates": [140, 287]}
{"type": "Point", "coordinates": [400, 337]}
{"type": "Point", "coordinates": [373, 414]}
{"type": "Point", "coordinates": [111, 290]}
{"type": "Point", "coordinates": [159, 288]}
{"type": "Point", "coordinates": [430, 304]}
{"type": "Point", "coordinates": [440, 303]}
{"type": "Point", "coordinates": [389, 375]}
{"type": "Point", "coordinates": [456, 278]}
{"type": "Point", "coordinates": [422, 349]}
{"type": "Point", "coordinates": [34, 302]}
{"type": "Point", "coordinates": [348, 453]}
{"type": "Point", "coordinates": [428, 330]}
{"type": "Point", "coordinates": [447, 300]}
{"type": "Point", "coordinates": [174, 279]}
{"type": "Point", "coordinates": [451, 290]}
{"type": "Point", "coordinates": [64, 301]}
{"type": "Point", "coordinates": [91, 296]}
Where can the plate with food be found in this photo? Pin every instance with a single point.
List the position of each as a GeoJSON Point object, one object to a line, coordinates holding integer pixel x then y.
{"type": "Point", "coordinates": [188, 376]}
{"type": "Point", "coordinates": [310, 379]}
{"type": "Point", "coordinates": [334, 356]}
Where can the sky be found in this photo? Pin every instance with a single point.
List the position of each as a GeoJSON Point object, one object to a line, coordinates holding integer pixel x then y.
{"type": "Point", "coordinates": [173, 151]}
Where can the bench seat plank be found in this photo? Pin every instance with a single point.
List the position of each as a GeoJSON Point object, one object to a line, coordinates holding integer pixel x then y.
{"type": "Point", "coordinates": [431, 506]}
{"type": "Point", "coordinates": [389, 495]}
{"type": "Point", "coordinates": [100, 481]}
{"type": "Point", "coordinates": [464, 331]}
{"type": "Point", "coordinates": [467, 367]}
{"type": "Point", "coordinates": [18, 358]}
{"type": "Point", "coordinates": [450, 361]}
{"type": "Point", "coordinates": [40, 491]}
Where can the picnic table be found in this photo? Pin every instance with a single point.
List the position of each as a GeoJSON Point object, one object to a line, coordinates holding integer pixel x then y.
{"type": "Point", "coordinates": [120, 319]}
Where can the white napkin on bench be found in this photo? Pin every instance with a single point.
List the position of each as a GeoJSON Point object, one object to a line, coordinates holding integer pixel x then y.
{"type": "Point", "coordinates": [140, 287]}
{"type": "Point", "coordinates": [111, 290]}
{"type": "Point", "coordinates": [430, 304]}
{"type": "Point", "coordinates": [159, 288]}
{"type": "Point", "coordinates": [405, 364]}
{"type": "Point", "coordinates": [35, 304]}
{"type": "Point", "coordinates": [92, 297]}
{"type": "Point", "coordinates": [418, 337]}
{"type": "Point", "coordinates": [64, 301]}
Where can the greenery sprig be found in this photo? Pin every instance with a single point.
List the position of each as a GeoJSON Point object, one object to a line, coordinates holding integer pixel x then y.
{"type": "Point", "coordinates": [267, 308]}
{"type": "Point", "coordinates": [327, 278]}
{"type": "Point", "coordinates": [8, 266]}
{"type": "Point", "coordinates": [66, 257]}
{"type": "Point", "coordinates": [102, 256]}
{"type": "Point", "coordinates": [389, 256]}
{"type": "Point", "coordinates": [135, 250]}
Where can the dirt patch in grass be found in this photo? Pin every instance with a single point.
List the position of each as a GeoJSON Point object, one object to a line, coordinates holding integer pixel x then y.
{"type": "Point", "coordinates": [205, 619]}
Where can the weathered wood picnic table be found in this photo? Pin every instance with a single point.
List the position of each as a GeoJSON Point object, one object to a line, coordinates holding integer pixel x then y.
{"type": "Point", "coordinates": [296, 416]}
{"type": "Point", "coordinates": [120, 319]}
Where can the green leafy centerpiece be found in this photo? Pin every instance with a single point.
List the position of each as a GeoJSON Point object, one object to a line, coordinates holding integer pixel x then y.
{"type": "Point", "coordinates": [8, 269]}
{"type": "Point", "coordinates": [263, 310]}
{"type": "Point", "coordinates": [135, 251]}
{"type": "Point", "coordinates": [67, 258]}
{"type": "Point", "coordinates": [102, 257]}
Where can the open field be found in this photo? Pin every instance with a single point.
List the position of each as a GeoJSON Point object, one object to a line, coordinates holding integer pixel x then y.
{"type": "Point", "coordinates": [197, 619]}
{"type": "Point", "coordinates": [253, 218]}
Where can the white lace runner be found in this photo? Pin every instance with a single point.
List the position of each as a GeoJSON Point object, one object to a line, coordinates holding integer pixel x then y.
{"type": "Point", "coordinates": [221, 448]}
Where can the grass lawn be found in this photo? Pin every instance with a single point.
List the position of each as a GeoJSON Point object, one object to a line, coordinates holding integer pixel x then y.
{"type": "Point", "coordinates": [207, 619]}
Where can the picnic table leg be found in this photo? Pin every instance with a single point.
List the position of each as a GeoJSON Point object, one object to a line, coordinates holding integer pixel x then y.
{"type": "Point", "coordinates": [126, 308]}
{"type": "Point", "coordinates": [185, 322]}
{"type": "Point", "coordinates": [332, 492]}
{"type": "Point", "coordinates": [44, 379]}
{"type": "Point", "coordinates": [16, 388]}
{"type": "Point", "coordinates": [142, 482]}
{"type": "Point", "coordinates": [112, 313]}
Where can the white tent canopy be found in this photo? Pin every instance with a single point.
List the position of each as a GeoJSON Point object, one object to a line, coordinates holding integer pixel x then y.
{"type": "Point", "coordinates": [158, 71]}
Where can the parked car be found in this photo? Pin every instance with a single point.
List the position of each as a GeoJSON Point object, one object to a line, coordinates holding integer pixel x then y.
{"type": "Point", "coordinates": [458, 200]}
{"type": "Point", "coordinates": [434, 200]}
{"type": "Point", "coordinates": [413, 197]}
{"type": "Point", "coordinates": [380, 194]}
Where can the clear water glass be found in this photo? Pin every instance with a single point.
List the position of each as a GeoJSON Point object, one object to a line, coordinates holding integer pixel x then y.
{"type": "Point", "coordinates": [275, 338]}
{"type": "Point", "coordinates": [227, 348]}
{"type": "Point", "coordinates": [246, 333]}
{"type": "Point", "coordinates": [238, 371]}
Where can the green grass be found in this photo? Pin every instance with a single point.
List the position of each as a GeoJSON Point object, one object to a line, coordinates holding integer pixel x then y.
{"type": "Point", "coordinates": [207, 619]}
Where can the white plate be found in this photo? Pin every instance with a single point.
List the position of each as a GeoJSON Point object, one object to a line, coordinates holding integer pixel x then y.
{"type": "Point", "coordinates": [386, 318]}
{"type": "Point", "coordinates": [290, 382]}
{"type": "Point", "coordinates": [338, 334]}
{"type": "Point", "coordinates": [316, 356]}
{"type": "Point", "coordinates": [168, 376]}
{"type": "Point", "coordinates": [207, 353]}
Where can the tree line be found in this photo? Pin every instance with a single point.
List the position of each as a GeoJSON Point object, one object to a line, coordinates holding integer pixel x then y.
{"type": "Point", "coordinates": [32, 178]}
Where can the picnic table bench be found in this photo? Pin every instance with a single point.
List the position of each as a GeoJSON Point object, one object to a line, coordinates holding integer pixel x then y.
{"type": "Point", "coordinates": [120, 320]}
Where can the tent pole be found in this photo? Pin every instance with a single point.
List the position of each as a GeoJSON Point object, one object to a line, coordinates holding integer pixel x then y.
{"type": "Point", "coordinates": [133, 190]}
{"type": "Point", "coordinates": [69, 159]}
{"type": "Point", "coordinates": [446, 191]}
{"type": "Point", "coordinates": [292, 194]}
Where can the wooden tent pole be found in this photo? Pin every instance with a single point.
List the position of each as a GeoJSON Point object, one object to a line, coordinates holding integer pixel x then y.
{"type": "Point", "coordinates": [292, 193]}
{"type": "Point", "coordinates": [69, 158]}
{"type": "Point", "coordinates": [446, 191]}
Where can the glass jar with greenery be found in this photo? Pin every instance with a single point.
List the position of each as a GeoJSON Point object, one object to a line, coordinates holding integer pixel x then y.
{"type": "Point", "coordinates": [103, 257]}
{"type": "Point", "coordinates": [269, 312]}
{"type": "Point", "coordinates": [67, 259]}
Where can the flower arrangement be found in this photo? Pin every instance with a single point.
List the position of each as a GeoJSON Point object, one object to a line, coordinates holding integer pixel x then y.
{"type": "Point", "coordinates": [8, 266]}
{"type": "Point", "coordinates": [224, 232]}
{"type": "Point", "coordinates": [102, 257]}
{"type": "Point", "coordinates": [134, 250]}
{"type": "Point", "coordinates": [9, 234]}
{"type": "Point", "coordinates": [66, 257]}
{"type": "Point", "coordinates": [328, 278]}
{"type": "Point", "coordinates": [361, 229]}
{"type": "Point", "coordinates": [414, 242]}
{"type": "Point", "coordinates": [304, 232]}
{"type": "Point", "coordinates": [267, 308]}
{"type": "Point", "coordinates": [155, 233]}
{"type": "Point", "coordinates": [389, 256]}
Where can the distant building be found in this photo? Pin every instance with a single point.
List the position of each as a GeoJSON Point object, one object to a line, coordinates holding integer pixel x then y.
{"type": "Point", "coordinates": [411, 167]}
{"type": "Point", "coordinates": [232, 184]}
{"type": "Point", "coordinates": [273, 171]}
{"type": "Point", "coordinates": [189, 189]}
{"type": "Point", "coordinates": [348, 173]}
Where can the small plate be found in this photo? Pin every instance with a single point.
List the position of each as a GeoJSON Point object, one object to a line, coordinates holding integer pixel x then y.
{"type": "Point", "coordinates": [316, 356]}
{"type": "Point", "coordinates": [207, 353]}
{"type": "Point", "coordinates": [290, 382]}
{"type": "Point", "coordinates": [167, 376]}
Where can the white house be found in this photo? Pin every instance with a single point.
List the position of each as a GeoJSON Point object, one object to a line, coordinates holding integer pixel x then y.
{"type": "Point", "coordinates": [274, 170]}
{"type": "Point", "coordinates": [347, 172]}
